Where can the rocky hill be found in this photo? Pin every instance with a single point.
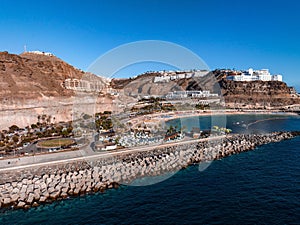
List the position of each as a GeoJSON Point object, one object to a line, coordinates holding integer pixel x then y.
{"type": "Point", "coordinates": [258, 94]}
{"type": "Point", "coordinates": [31, 75]}
{"type": "Point", "coordinates": [254, 94]}
{"type": "Point", "coordinates": [31, 85]}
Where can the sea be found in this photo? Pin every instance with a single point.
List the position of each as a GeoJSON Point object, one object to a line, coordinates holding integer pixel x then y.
{"type": "Point", "coordinates": [256, 187]}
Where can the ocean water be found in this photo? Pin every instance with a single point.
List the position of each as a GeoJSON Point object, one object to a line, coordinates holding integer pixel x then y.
{"type": "Point", "coordinates": [256, 187]}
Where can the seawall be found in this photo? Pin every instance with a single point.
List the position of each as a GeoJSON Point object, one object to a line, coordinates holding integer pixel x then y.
{"type": "Point", "coordinates": [35, 185]}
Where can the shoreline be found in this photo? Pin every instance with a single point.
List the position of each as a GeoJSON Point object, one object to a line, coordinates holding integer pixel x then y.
{"type": "Point", "coordinates": [32, 186]}
{"type": "Point", "coordinates": [151, 117]}
{"type": "Point", "coordinates": [199, 113]}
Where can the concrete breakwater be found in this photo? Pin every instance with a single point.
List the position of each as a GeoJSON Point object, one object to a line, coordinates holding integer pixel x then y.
{"type": "Point", "coordinates": [35, 185]}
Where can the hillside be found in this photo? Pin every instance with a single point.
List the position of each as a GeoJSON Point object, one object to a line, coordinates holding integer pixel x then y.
{"type": "Point", "coordinates": [255, 94]}
{"type": "Point", "coordinates": [31, 85]}
{"type": "Point", "coordinates": [32, 75]}
{"type": "Point", "coordinates": [258, 93]}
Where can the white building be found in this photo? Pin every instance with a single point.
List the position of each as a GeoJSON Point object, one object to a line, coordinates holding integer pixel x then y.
{"type": "Point", "coordinates": [253, 75]}
{"type": "Point", "coordinates": [41, 53]}
{"type": "Point", "coordinates": [277, 77]}
{"type": "Point", "coordinates": [161, 79]}
{"type": "Point", "coordinates": [176, 75]}
{"type": "Point", "coordinates": [191, 94]}
{"type": "Point", "coordinates": [83, 85]}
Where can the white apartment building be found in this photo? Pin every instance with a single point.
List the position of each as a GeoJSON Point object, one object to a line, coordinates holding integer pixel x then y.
{"type": "Point", "coordinates": [192, 94]}
{"type": "Point", "coordinates": [176, 75]}
{"type": "Point", "coordinates": [253, 75]}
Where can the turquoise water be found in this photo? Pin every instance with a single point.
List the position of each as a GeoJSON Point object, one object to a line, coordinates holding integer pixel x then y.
{"type": "Point", "coordinates": [257, 187]}
{"type": "Point", "coordinates": [252, 123]}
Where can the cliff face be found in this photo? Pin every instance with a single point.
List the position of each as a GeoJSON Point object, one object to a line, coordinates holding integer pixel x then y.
{"type": "Point", "coordinates": [257, 94]}
{"type": "Point", "coordinates": [31, 85]}
{"type": "Point", "coordinates": [30, 76]}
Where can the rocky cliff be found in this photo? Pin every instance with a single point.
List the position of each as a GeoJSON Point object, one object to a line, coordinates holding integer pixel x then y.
{"type": "Point", "coordinates": [237, 94]}
{"type": "Point", "coordinates": [30, 76]}
{"type": "Point", "coordinates": [31, 85]}
{"type": "Point", "coordinates": [258, 94]}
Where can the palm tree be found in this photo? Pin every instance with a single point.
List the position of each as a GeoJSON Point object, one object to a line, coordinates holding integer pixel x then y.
{"type": "Point", "coordinates": [44, 117]}
{"type": "Point", "coordinates": [48, 120]}
{"type": "Point", "coordinates": [39, 118]}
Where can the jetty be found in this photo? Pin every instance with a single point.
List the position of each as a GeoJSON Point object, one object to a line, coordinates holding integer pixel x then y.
{"type": "Point", "coordinates": [31, 185]}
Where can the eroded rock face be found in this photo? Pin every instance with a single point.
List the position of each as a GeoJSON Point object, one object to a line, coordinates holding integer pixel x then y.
{"type": "Point", "coordinates": [30, 76]}
{"type": "Point", "coordinates": [254, 94]}
{"type": "Point", "coordinates": [32, 84]}
{"type": "Point", "coordinates": [257, 94]}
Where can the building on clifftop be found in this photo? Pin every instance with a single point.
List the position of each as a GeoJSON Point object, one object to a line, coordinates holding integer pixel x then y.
{"type": "Point", "coordinates": [254, 75]}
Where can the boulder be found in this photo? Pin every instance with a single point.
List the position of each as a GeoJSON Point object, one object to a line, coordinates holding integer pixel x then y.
{"type": "Point", "coordinates": [7, 201]}
{"type": "Point", "coordinates": [42, 199]}
{"type": "Point", "coordinates": [43, 186]}
{"type": "Point", "coordinates": [14, 184]}
{"type": "Point", "coordinates": [76, 191]}
{"type": "Point", "coordinates": [54, 195]}
{"type": "Point", "coordinates": [64, 195]}
{"type": "Point", "coordinates": [36, 194]}
{"type": "Point", "coordinates": [51, 190]}
{"type": "Point", "coordinates": [14, 197]}
{"type": "Point", "coordinates": [30, 188]}
{"type": "Point", "coordinates": [45, 193]}
{"type": "Point", "coordinates": [35, 204]}
{"type": "Point", "coordinates": [15, 190]}
{"type": "Point", "coordinates": [30, 198]}
{"type": "Point", "coordinates": [65, 189]}
{"type": "Point", "coordinates": [21, 205]}
{"type": "Point", "coordinates": [23, 196]}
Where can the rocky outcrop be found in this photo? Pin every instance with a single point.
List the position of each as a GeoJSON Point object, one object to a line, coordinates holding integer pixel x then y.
{"type": "Point", "coordinates": [37, 185]}
{"type": "Point", "coordinates": [258, 94]}
{"type": "Point", "coordinates": [31, 76]}
{"type": "Point", "coordinates": [237, 94]}
{"type": "Point", "coordinates": [32, 84]}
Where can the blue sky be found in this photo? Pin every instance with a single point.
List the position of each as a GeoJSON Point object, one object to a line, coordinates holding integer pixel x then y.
{"type": "Point", "coordinates": [225, 34]}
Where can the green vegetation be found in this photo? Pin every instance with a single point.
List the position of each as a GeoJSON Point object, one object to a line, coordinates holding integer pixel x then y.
{"type": "Point", "coordinates": [153, 105]}
{"type": "Point", "coordinates": [14, 138]}
{"type": "Point", "coordinates": [202, 106]}
{"type": "Point", "coordinates": [103, 120]}
{"type": "Point", "coordinates": [13, 128]}
{"type": "Point", "coordinates": [221, 130]}
{"type": "Point", "coordinates": [151, 100]}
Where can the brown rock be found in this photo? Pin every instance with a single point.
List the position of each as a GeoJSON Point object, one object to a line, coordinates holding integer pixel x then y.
{"type": "Point", "coordinates": [42, 199]}
{"type": "Point", "coordinates": [35, 204]}
{"type": "Point", "coordinates": [54, 195]}
{"type": "Point", "coordinates": [14, 197]}
{"type": "Point", "coordinates": [30, 198]}
{"type": "Point", "coordinates": [21, 204]}
{"type": "Point", "coordinates": [7, 201]}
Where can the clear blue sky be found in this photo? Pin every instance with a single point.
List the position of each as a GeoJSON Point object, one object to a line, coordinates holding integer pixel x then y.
{"type": "Point", "coordinates": [226, 34]}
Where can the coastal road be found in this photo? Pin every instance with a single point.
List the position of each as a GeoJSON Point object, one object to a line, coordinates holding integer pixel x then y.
{"type": "Point", "coordinates": [66, 157]}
